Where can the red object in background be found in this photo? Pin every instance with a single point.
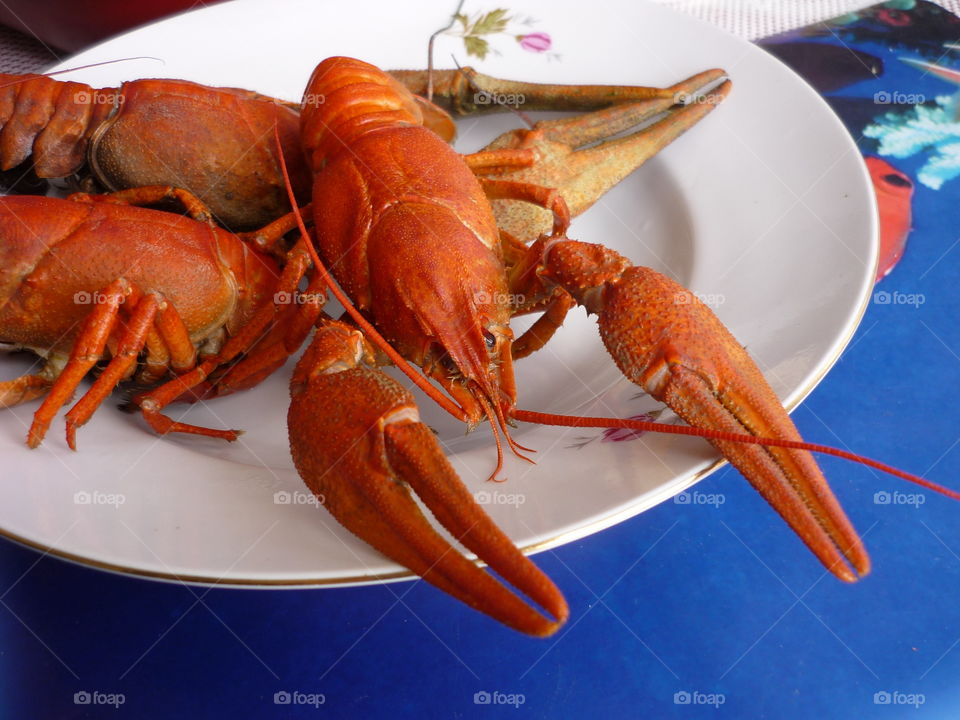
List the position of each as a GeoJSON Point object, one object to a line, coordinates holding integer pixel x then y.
{"type": "Point", "coordinates": [72, 25]}
{"type": "Point", "coordinates": [894, 192]}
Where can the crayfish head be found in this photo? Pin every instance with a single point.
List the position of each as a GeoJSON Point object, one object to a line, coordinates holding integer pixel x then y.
{"type": "Point", "coordinates": [476, 380]}
{"type": "Point", "coordinates": [474, 364]}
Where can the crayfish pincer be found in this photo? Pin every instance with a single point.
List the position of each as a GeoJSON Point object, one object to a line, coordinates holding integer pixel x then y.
{"type": "Point", "coordinates": [682, 355]}
{"type": "Point", "coordinates": [357, 441]}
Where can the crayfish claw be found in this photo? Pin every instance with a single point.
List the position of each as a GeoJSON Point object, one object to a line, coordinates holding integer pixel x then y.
{"type": "Point", "coordinates": [357, 442]}
{"type": "Point", "coordinates": [582, 157]}
{"type": "Point", "coordinates": [682, 355]}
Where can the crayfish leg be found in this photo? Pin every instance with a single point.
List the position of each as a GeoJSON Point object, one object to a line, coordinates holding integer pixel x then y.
{"type": "Point", "coordinates": [25, 388]}
{"type": "Point", "coordinates": [545, 326]}
{"type": "Point", "coordinates": [261, 357]}
{"type": "Point", "coordinates": [124, 358]}
{"type": "Point", "coordinates": [85, 353]}
{"type": "Point", "coordinates": [153, 195]}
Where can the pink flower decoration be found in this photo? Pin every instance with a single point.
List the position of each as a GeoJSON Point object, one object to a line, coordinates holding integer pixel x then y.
{"type": "Point", "coordinates": [621, 434]}
{"type": "Point", "coordinates": [535, 42]}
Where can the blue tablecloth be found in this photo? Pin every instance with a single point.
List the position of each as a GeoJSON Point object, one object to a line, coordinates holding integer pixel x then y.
{"type": "Point", "coordinates": [687, 611]}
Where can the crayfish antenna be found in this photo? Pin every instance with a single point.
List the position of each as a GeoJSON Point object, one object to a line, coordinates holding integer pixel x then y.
{"type": "Point", "coordinates": [28, 76]}
{"type": "Point", "coordinates": [498, 424]}
{"type": "Point", "coordinates": [708, 434]}
{"type": "Point", "coordinates": [105, 62]}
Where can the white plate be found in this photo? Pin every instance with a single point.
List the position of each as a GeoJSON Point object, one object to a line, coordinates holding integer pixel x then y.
{"type": "Point", "coordinates": [766, 205]}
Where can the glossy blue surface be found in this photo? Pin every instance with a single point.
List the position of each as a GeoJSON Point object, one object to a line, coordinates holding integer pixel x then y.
{"type": "Point", "coordinates": [705, 603]}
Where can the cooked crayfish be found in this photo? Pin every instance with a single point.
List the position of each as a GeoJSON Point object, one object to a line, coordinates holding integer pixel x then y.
{"type": "Point", "coordinates": [409, 233]}
{"type": "Point", "coordinates": [95, 278]}
{"type": "Point", "coordinates": [215, 142]}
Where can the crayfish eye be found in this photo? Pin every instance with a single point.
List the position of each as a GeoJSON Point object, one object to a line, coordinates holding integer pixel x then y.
{"type": "Point", "coordinates": [489, 339]}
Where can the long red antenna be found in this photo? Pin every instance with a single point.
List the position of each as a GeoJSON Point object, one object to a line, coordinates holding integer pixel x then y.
{"type": "Point", "coordinates": [572, 421]}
